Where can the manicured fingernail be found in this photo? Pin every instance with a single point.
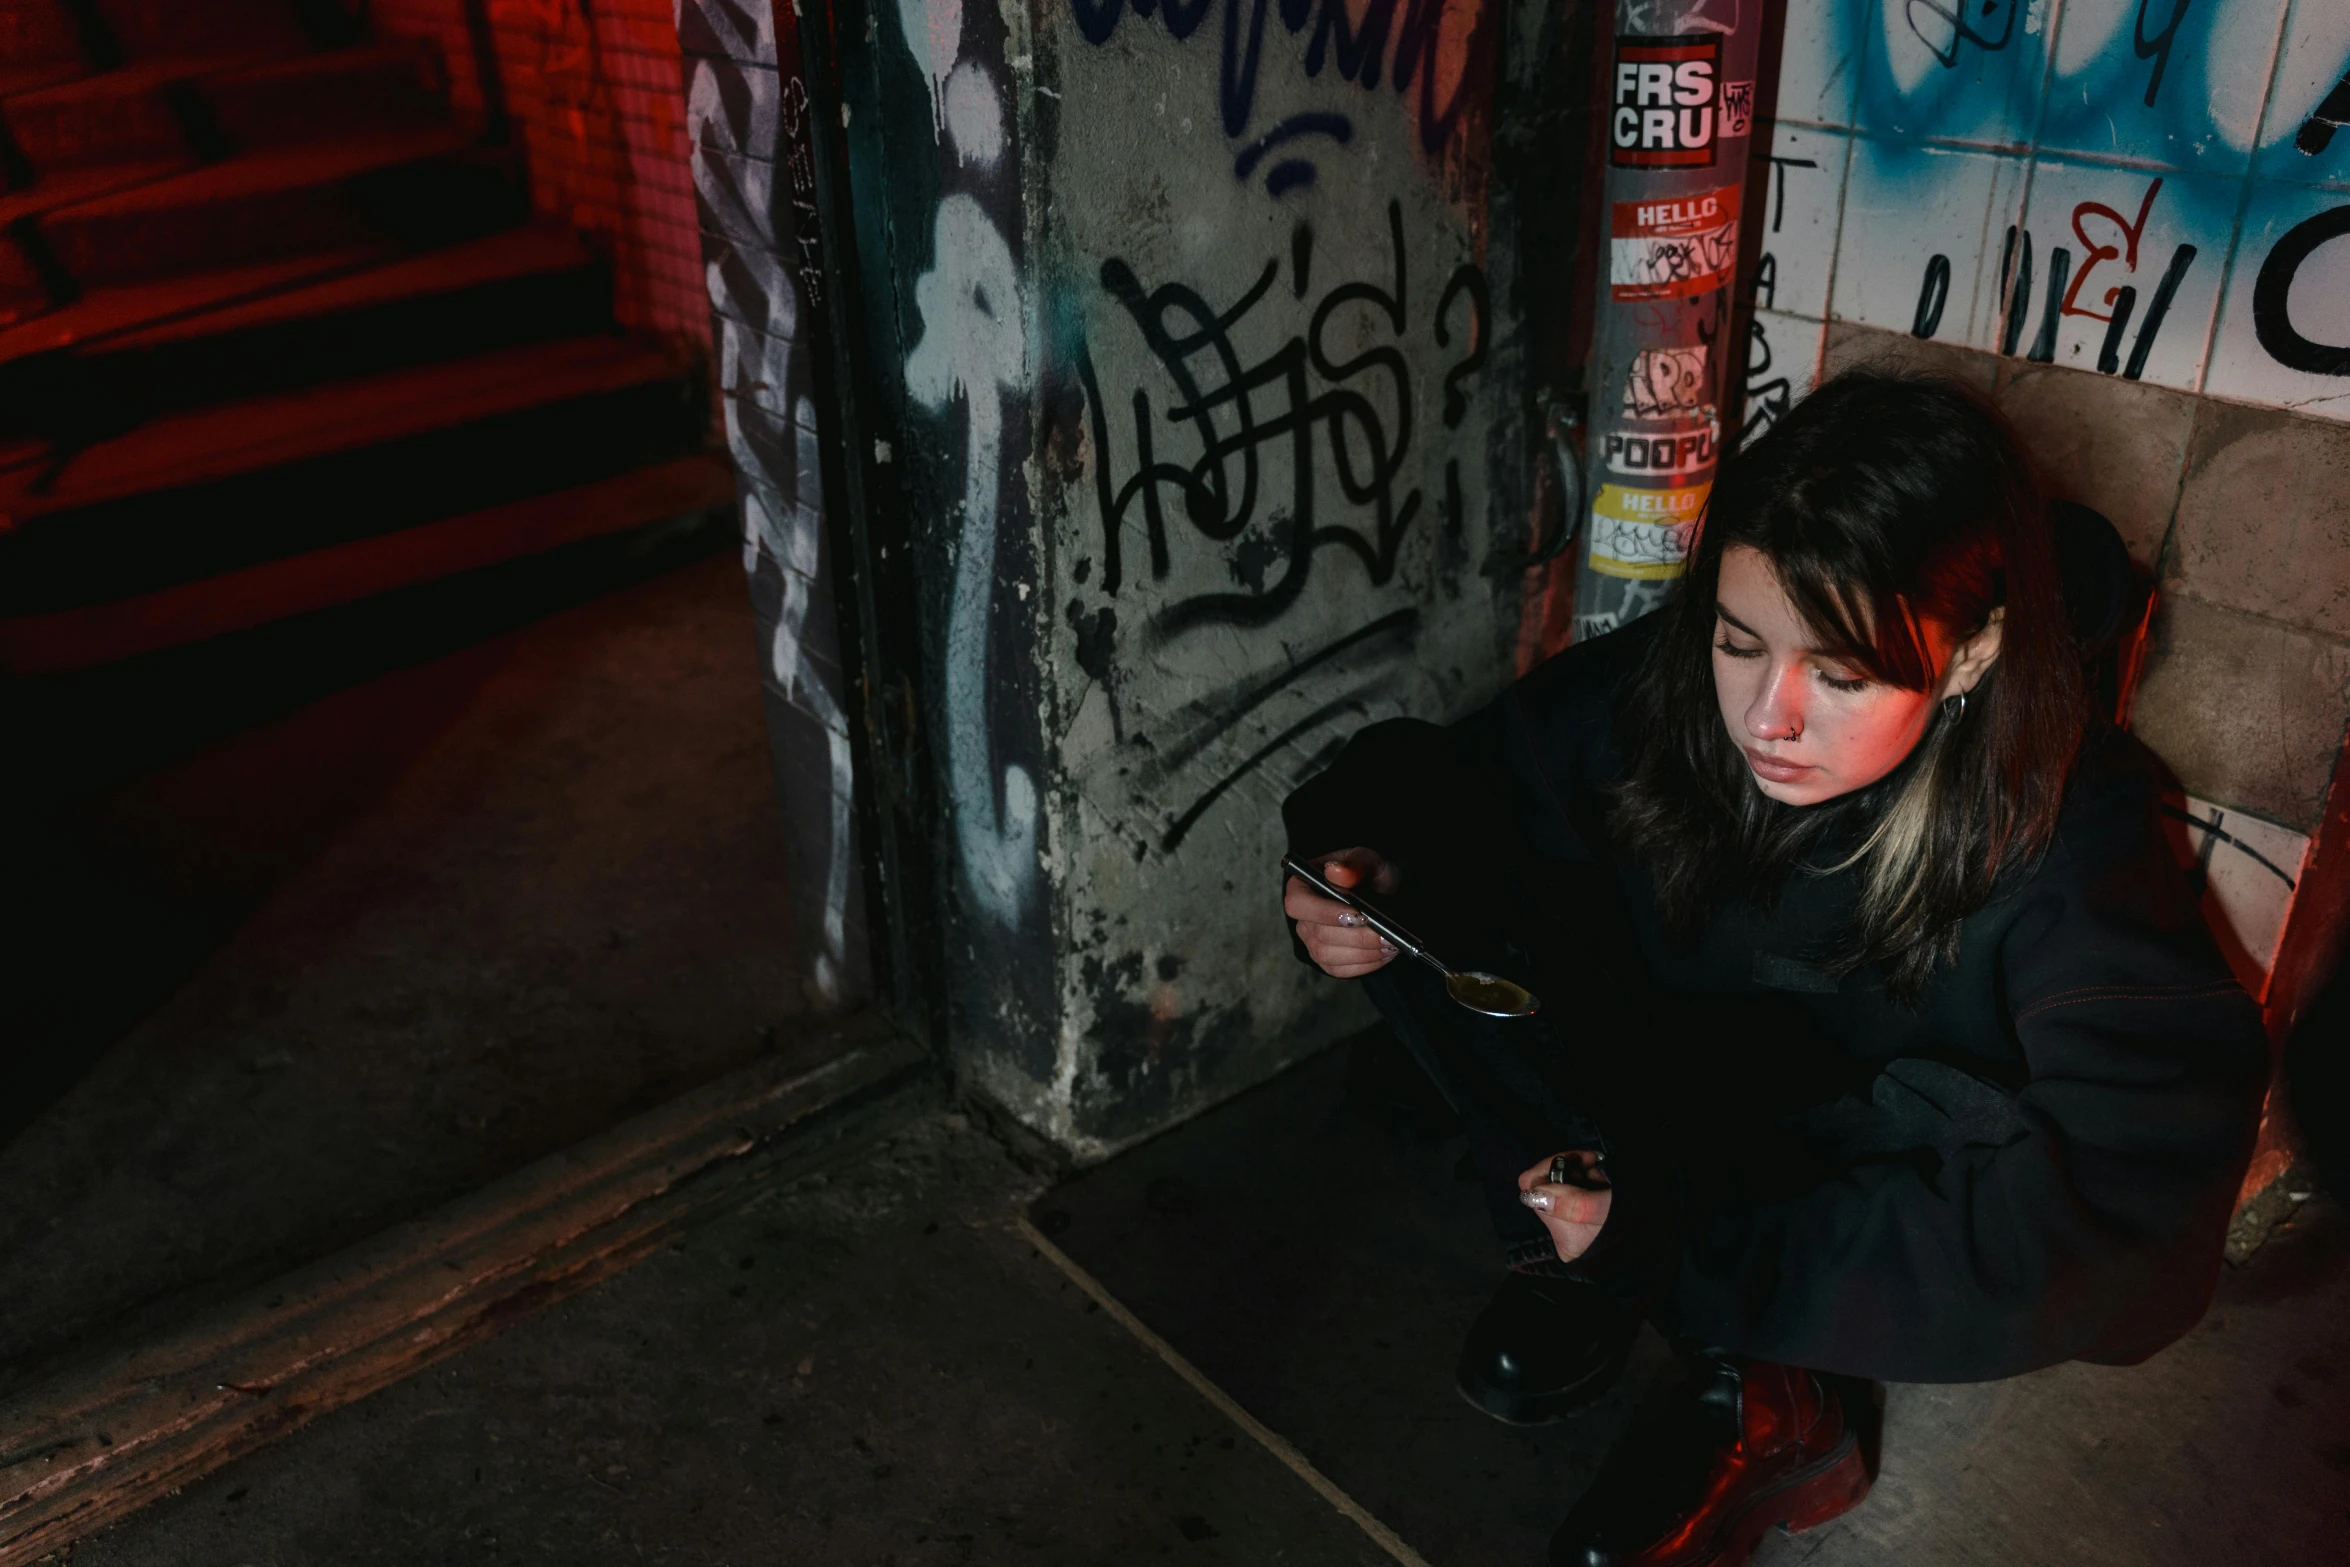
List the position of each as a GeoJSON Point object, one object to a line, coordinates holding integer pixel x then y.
{"type": "Point", "coordinates": [1387, 946]}
{"type": "Point", "coordinates": [1536, 1200]}
{"type": "Point", "coordinates": [1350, 919]}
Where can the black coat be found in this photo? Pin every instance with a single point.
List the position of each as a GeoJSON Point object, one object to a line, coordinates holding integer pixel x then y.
{"type": "Point", "coordinates": [2036, 1162]}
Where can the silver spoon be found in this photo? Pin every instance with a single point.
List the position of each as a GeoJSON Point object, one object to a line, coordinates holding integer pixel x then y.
{"type": "Point", "coordinates": [1472, 988]}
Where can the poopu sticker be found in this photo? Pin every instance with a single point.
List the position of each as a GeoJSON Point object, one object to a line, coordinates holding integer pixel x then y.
{"type": "Point", "coordinates": [1673, 454]}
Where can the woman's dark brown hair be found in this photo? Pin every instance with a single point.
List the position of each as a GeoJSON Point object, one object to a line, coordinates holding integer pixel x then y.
{"type": "Point", "coordinates": [1880, 500]}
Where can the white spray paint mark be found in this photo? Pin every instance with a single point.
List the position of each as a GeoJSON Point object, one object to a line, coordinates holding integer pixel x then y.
{"type": "Point", "coordinates": [744, 32]}
{"type": "Point", "coordinates": [788, 528]}
{"type": "Point", "coordinates": [974, 347]}
{"type": "Point", "coordinates": [934, 35]}
{"type": "Point", "coordinates": [782, 513]}
{"type": "Point", "coordinates": [975, 120]}
{"type": "Point", "coordinates": [795, 674]}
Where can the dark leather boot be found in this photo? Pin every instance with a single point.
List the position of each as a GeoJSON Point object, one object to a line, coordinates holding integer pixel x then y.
{"type": "Point", "coordinates": [1542, 1348]}
{"type": "Point", "coordinates": [1722, 1455]}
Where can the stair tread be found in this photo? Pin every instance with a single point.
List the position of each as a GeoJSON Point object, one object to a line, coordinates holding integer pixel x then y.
{"type": "Point", "coordinates": [38, 76]}
{"type": "Point", "coordinates": [345, 573]}
{"type": "Point", "coordinates": [67, 188]}
{"type": "Point", "coordinates": [275, 168]}
{"type": "Point", "coordinates": [515, 252]}
{"type": "Point", "coordinates": [133, 77]}
{"type": "Point", "coordinates": [115, 308]}
{"type": "Point", "coordinates": [197, 304]}
{"type": "Point", "coordinates": [226, 439]}
{"type": "Point", "coordinates": [364, 55]}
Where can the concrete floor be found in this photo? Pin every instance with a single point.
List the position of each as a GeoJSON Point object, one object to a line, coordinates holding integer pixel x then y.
{"type": "Point", "coordinates": [347, 918]}
{"type": "Point", "coordinates": [866, 1367]}
{"type": "Point", "coordinates": [869, 1366]}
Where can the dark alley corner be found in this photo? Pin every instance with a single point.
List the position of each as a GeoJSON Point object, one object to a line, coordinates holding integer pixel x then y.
{"type": "Point", "coordinates": [651, 660]}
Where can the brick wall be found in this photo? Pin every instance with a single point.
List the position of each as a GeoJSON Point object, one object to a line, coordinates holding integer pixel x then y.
{"type": "Point", "coordinates": [595, 93]}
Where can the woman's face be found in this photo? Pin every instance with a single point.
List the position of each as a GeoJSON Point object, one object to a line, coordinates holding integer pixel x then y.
{"type": "Point", "coordinates": [1812, 727]}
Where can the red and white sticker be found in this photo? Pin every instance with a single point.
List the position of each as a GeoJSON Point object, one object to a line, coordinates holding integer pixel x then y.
{"type": "Point", "coordinates": [1664, 107]}
{"type": "Point", "coordinates": [1673, 246]}
{"type": "Point", "coordinates": [1736, 112]}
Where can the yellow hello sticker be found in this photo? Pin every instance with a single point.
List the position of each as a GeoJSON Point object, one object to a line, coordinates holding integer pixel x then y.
{"type": "Point", "coordinates": [1645, 533]}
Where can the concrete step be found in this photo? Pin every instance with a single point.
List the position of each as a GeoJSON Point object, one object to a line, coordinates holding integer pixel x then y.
{"type": "Point", "coordinates": [125, 355]}
{"type": "Point", "coordinates": [132, 114]}
{"type": "Point", "coordinates": [124, 307]}
{"type": "Point", "coordinates": [413, 188]}
{"type": "Point", "coordinates": [372, 86]}
{"type": "Point", "coordinates": [143, 29]}
{"type": "Point", "coordinates": [38, 43]}
{"type": "Point", "coordinates": [97, 634]}
{"type": "Point", "coordinates": [75, 185]}
{"type": "Point", "coordinates": [201, 107]}
{"type": "Point", "coordinates": [230, 486]}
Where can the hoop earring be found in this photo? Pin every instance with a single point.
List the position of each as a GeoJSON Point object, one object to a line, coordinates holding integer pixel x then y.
{"type": "Point", "coordinates": [1954, 707]}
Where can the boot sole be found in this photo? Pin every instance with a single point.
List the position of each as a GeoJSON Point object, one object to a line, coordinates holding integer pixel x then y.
{"type": "Point", "coordinates": [1815, 1494]}
{"type": "Point", "coordinates": [1547, 1408]}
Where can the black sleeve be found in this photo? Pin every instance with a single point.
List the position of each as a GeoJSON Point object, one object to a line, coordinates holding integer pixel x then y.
{"type": "Point", "coordinates": [1413, 792]}
{"type": "Point", "coordinates": [1473, 814]}
{"type": "Point", "coordinates": [1947, 1229]}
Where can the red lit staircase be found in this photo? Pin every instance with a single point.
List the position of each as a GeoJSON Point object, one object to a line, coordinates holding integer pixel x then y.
{"type": "Point", "coordinates": [276, 335]}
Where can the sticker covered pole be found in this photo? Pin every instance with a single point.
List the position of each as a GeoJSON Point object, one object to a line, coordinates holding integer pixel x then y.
{"type": "Point", "coordinates": [1680, 114]}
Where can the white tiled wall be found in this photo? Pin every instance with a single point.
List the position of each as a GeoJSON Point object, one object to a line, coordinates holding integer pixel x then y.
{"type": "Point", "coordinates": [1915, 129]}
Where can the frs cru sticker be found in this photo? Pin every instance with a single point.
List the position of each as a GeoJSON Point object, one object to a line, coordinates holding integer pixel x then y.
{"type": "Point", "coordinates": [1673, 246]}
{"type": "Point", "coordinates": [1663, 104]}
{"type": "Point", "coordinates": [1644, 533]}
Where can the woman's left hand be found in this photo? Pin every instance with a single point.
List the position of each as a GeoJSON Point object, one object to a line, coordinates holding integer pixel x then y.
{"type": "Point", "coordinates": [1572, 1214]}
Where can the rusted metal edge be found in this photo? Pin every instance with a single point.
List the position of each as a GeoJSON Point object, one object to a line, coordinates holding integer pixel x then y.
{"type": "Point", "coordinates": [105, 1438]}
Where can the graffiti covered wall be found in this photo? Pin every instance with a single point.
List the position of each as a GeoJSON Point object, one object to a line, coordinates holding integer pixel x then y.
{"type": "Point", "coordinates": [1269, 484]}
{"type": "Point", "coordinates": [2147, 189]}
{"type": "Point", "coordinates": [1211, 454]}
{"type": "Point", "coordinates": [754, 182]}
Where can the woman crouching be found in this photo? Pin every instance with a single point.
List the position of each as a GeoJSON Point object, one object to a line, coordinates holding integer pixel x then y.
{"type": "Point", "coordinates": [1881, 1036]}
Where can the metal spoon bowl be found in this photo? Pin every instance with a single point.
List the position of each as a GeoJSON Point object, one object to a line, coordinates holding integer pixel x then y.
{"type": "Point", "coordinates": [1489, 993]}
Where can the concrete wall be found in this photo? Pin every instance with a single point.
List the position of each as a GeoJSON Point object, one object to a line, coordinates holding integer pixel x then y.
{"type": "Point", "coordinates": [2126, 222]}
{"type": "Point", "coordinates": [1210, 444]}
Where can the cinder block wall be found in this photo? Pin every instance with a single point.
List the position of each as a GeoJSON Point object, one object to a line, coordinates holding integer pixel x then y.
{"type": "Point", "coordinates": [2138, 251]}
{"type": "Point", "coordinates": [596, 96]}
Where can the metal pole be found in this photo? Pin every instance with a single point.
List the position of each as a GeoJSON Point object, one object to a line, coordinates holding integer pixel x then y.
{"type": "Point", "coordinates": [1678, 119]}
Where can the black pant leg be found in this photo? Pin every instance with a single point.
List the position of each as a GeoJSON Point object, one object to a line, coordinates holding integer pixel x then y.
{"type": "Point", "coordinates": [1510, 1080]}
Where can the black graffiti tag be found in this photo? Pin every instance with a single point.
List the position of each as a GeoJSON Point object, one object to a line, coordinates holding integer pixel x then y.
{"type": "Point", "coordinates": [1767, 401]}
{"type": "Point", "coordinates": [1958, 30]}
{"type": "Point", "coordinates": [2157, 47]}
{"type": "Point", "coordinates": [1418, 31]}
{"type": "Point", "coordinates": [2272, 292]}
{"type": "Point", "coordinates": [1302, 396]}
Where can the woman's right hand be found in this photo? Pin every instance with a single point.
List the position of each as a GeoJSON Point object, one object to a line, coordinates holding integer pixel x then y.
{"type": "Point", "coordinates": [1334, 935]}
